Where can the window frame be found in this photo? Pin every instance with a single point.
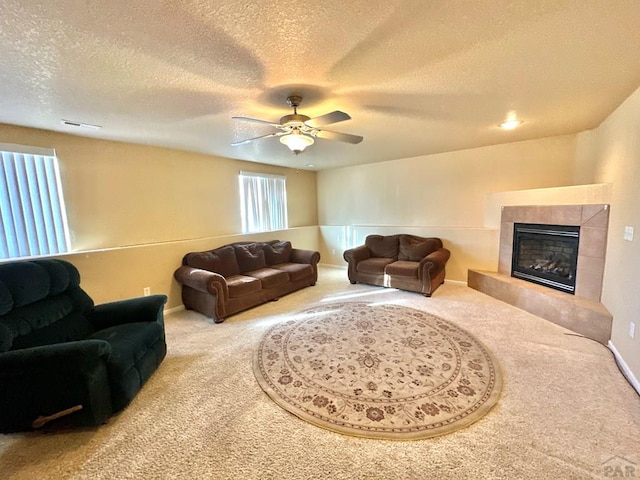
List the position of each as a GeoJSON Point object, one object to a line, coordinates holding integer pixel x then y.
{"type": "Point", "coordinates": [33, 213]}
{"type": "Point", "coordinates": [266, 194]}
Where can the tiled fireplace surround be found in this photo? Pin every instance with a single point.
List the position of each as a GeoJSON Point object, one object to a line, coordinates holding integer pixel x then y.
{"type": "Point", "coordinates": [583, 313]}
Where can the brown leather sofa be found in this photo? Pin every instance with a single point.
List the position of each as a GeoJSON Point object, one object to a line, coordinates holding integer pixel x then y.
{"type": "Point", "coordinates": [232, 278]}
{"type": "Point", "coordinates": [402, 261]}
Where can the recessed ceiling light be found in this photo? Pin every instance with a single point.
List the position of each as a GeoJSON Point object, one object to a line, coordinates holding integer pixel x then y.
{"type": "Point", "coordinates": [80, 125]}
{"type": "Point", "coordinates": [310, 165]}
{"type": "Point", "coordinates": [511, 122]}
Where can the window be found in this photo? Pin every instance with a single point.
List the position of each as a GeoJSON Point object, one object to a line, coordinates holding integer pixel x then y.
{"type": "Point", "coordinates": [32, 212]}
{"type": "Point", "coordinates": [263, 202]}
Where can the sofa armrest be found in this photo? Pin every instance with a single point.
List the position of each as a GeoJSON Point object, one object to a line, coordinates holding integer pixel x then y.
{"type": "Point", "coordinates": [353, 256]}
{"type": "Point", "coordinates": [304, 256]}
{"type": "Point", "coordinates": [41, 381]}
{"type": "Point", "coordinates": [357, 254]}
{"type": "Point", "coordinates": [433, 263]}
{"type": "Point", "coordinates": [141, 309]}
{"type": "Point", "coordinates": [204, 281]}
{"type": "Point", "coordinates": [55, 357]}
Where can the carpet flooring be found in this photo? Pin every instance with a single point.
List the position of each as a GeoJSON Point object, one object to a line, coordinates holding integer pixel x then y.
{"type": "Point", "coordinates": [565, 410]}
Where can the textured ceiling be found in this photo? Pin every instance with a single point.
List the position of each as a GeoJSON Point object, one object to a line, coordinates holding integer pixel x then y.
{"type": "Point", "coordinates": [416, 76]}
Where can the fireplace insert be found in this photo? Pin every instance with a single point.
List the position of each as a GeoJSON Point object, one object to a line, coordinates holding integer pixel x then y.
{"type": "Point", "coordinates": [546, 254]}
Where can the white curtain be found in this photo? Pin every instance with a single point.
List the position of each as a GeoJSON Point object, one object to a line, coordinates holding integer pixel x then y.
{"type": "Point", "coordinates": [263, 202]}
{"type": "Point", "coordinates": [32, 211]}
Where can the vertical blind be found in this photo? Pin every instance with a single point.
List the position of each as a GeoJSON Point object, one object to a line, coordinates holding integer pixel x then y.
{"type": "Point", "coordinates": [32, 210]}
{"type": "Point", "coordinates": [263, 202]}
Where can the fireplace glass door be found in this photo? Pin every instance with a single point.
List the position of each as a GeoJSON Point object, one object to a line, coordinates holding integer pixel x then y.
{"type": "Point", "coordinates": [546, 254]}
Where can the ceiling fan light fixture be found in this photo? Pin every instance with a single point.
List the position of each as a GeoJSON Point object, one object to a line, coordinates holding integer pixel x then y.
{"type": "Point", "coordinates": [296, 141]}
{"type": "Point", "coordinates": [298, 131]}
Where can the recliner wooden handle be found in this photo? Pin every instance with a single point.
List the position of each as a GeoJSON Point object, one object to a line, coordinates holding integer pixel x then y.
{"type": "Point", "coordinates": [42, 420]}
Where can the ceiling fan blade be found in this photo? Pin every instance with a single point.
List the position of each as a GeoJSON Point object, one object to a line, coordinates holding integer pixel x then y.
{"type": "Point", "coordinates": [242, 142]}
{"type": "Point", "coordinates": [255, 120]}
{"type": "Point", "coordinates": [327, 119]}
{"type": "Point", "coordinates": [341, 137]}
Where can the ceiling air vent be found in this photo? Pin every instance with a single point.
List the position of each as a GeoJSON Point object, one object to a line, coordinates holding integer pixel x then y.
{"type": "Point", "coordinates": [80, 125]}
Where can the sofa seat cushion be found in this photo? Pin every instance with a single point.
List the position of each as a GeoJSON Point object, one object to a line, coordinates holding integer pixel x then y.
{"type": "Point", "coordinates": [241, 285]}
{"type": "Point", "coordinates": [270, 277]}
{"type": "Point", "coordinates": [137, 349]}
{"type": "Point", "coordinates": [296, 271]}
{"type": "Point", "coordinates": [403, 269]}
{"type": "Point", "coordinates": [374, 265]}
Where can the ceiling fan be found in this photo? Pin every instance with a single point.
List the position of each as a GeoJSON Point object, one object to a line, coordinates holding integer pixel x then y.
{"type": "Point", "coordinates": [298, 131]}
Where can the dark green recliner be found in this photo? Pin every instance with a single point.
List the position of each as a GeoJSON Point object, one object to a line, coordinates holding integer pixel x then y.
{"type": "Point", "coordinates": [63, 360]}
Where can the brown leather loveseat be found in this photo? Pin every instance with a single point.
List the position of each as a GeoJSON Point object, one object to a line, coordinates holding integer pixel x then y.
{"type": "Point", "coordinates": [403, 261]}
{"type": "Point", "coordinates": [238, 276]}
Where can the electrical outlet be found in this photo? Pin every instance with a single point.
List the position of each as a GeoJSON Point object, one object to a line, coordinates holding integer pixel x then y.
{"type": "Point", "coordinates": [146, 291]}
{"type": "Point", "coordinates": [632, 329]}
{"type": "Point", "coordinates": [628, 234]}
{"type": "Point", "coordinates": [333, 251]}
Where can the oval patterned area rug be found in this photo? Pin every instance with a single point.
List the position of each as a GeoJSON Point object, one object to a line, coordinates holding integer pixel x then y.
{"type": "Point", "coordinates": [378, 371]}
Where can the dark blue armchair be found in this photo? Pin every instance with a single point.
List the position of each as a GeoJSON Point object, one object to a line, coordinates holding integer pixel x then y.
{"type": "Point", "coordinates": [63, 360]}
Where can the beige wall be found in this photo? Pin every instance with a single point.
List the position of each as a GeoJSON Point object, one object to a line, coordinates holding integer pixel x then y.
{"type": "Point", "coordinates": [571, 195]}
{"type": "Point", "coordinates": [441, 195]}
{"type": "Point", "coordinates": [611, 154]}
{"type": "Point", "coordinates": [135, 210]}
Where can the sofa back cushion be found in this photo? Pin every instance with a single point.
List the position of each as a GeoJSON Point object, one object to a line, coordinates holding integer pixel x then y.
{"type": "Point", "coordinates": [382, 245]}
{"type": "Point", "coordinates": [277, 252]}
{"type": "Point", "coordinates": [41, 302]}
{"type": "Point", "coordinates": [414, 249]}
{"type": "Point", "coordinates": [250, 256]}
{"type": "Point", "coordinates": [221, 260]}
{"type": "Point", "coordinates": [26, 282]}
{"type": "Point", "coordinates": [6, 299]}
{"type": "Point", "coordinates": [56, 319]}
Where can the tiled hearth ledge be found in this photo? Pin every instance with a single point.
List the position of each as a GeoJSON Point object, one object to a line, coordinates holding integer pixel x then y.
{"type": "Point", "coordinates": [580, 315]}
{"type": "Point", "coordinates": [582, 312]}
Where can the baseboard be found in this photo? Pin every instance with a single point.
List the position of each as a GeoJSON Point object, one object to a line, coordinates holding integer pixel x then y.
{"type": "Point", "coordinates": [626, 371]}
{"type": "Point", "coordinates": [457, 282]}
{"type": "Point", "coordinates": [174, 309]}
{"type": "Point", "coordinates": [329, 265]}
